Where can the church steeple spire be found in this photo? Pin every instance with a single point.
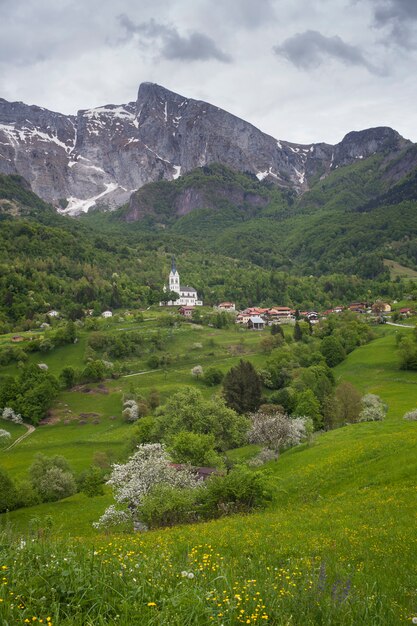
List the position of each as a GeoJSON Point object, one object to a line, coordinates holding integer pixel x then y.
{"type": "Point", "coordinates": [173, 265]}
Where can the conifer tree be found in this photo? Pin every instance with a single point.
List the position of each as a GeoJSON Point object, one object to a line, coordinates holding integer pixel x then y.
{"type": "Point", "coordinates": [298, 333]}
{"type": "Point", "coordinates": [242, 388]}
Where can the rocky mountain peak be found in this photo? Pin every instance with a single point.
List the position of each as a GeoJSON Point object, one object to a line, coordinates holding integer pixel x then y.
{"type": "Point", "coordinates": [362, 144]}
{"type": "Point", "coordinates": [101, 155]}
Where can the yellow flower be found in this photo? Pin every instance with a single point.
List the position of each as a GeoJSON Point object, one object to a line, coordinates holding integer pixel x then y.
{"type": "Point", "coordinates": [151, 603]}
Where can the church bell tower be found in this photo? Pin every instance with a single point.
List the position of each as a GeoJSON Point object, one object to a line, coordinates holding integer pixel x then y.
{"type": "Point", "coordinates": [174, 278]}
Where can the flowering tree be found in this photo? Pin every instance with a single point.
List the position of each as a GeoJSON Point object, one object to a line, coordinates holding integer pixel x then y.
{"type": "Point", "coordinates": [411, 415]}
{"type": "Point", "coordinates": [4, 434]}
{"type": "Point", "coordinates": [130, 410]}
{"type": "Point", "coordinates": [277, 431]}
{"type": "Point", "coordinates": [132, 481]}
{"type": "Point", "coordinates": [11, 416]}
{"type": "Point", "coordinates": [373, 409]}
{"type": "Point", "coordinates": [197, 371]}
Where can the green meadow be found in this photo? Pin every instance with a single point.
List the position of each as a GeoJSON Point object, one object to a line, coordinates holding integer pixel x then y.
{"type": "Point", "coordinates": [337, 545]}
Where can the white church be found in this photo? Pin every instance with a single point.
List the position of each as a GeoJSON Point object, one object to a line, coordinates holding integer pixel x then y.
{"type": "Point", "coordinates": [187, 295]}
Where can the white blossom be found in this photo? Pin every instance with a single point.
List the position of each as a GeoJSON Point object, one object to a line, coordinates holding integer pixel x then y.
{"type": "Point", "coordinates": [11, 416]}
{"type": "Point", "coordinates": [373, 409]}
{"type": "Point", "coordinates": [411, 416]}
{"type": "Point", "coordinates": [4, 434]}
{"type": "Point", "coordinates": [130, 410]}
{"type": "Point", "coordinates": [277, 431]}
{"type": "Point", "coordinates": [147, 467]}
{"type": "Point", "coordinates": [112, 517]}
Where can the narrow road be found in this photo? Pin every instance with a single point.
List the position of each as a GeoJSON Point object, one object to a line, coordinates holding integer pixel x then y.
{"type": "Point", "coordinates": [29, 431]}
{"type": "Point", "coordinates": [400, 325]}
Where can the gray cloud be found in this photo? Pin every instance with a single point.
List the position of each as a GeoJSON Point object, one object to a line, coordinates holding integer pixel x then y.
{"type": "Point", "coordinates": [251, 13]}
{"type": "Point", "coordinates": [310, 49]}
{"type": "Point", "coordinates": [399, 17]}
{"type": "Point", "coordinates": [195, 46]}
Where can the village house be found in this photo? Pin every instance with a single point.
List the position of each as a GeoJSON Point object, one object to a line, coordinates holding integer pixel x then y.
{"type": "Point", "coordinates": [187, 296]}
{"type": "Point", "coordinates": [226, 306]}
{"type": "Point", "coordinates": [311, 316]}
{"type": "Point", "coordinates": [256, 323]}
{"type": "Point", "coordinates": [186, 311]}
{"type": "Point", "coordinates": [281, 314]}
{"type": "Point", "coordinates": [243, 318]}
{"type": "Point", "coordinates": [357, 307]}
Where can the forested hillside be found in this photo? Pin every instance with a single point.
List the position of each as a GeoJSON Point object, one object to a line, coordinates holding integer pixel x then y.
{"type": "Point", "coordinates": [234, 237]}
{"type": "Point", "coordinates": [347, 223]}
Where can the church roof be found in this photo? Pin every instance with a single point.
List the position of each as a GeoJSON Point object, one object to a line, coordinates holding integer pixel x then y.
{"type": "Point", "coordinates": [188, 289]}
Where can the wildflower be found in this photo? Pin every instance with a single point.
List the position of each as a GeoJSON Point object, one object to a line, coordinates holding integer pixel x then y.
{"type": "Point", "coordinates": [151, 603]}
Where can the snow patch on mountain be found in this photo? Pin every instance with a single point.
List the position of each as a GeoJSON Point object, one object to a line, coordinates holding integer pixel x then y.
{"type": "Point", "coordinates": [78, 205]}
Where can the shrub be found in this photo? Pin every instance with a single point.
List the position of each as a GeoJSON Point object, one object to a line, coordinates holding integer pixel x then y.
{"type": "Point", "coordinates": [56, 484]}
{"type": "Point", "coordinates": [8, 493]}
{"type": "Point", "coordinates": [264, 456]}
{"type": "Point", "coordinates": [52, 478]}
{"type": "Point", "coordinates": [196, 449]}
{"type": "Point", "coordinates": [411, 415]}
{"type": "Point", "coordinates": [114, 519]}
{"type": "Point", "coordinates": [145, 431]}
{"type": "Point", "coordinates": [373, 408]}
{"type": "Point", "coordinates": [166, 506]}
{"type": "Point", "coordinates": [308, 404]}
{"type": "Point", "coordinates": [91, 482]}
{"type": "Point", "coordinates": [27, 495]}
{"type": "Point", "coordinates": [241, 490]}
{"type": "Point", "coordinates": [4, 434]}
{"type": "Point", "coordinates": [213, 376]}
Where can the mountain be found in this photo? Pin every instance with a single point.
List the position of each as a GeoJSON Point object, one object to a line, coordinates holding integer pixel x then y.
{"type": "Point", "coordinates": [101, 156]}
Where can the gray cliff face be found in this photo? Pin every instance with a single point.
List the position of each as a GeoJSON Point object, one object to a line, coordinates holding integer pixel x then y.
{"type": "Point", "coordinates": [102, 155]}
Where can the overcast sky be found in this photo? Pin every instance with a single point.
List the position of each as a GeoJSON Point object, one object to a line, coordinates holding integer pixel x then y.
{"type": "Point", "coordinates": [301, 70]}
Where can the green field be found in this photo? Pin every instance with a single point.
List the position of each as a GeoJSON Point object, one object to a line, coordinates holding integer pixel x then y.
{"type": "Point", "coordinates": [336, 546]}
{"type": "Point", "coordinates": [396, 270]}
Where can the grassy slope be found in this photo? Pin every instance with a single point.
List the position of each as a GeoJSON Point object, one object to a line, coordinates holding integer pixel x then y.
{"type": "Point", "coordinates": [342, 525]}
{"type": "Point", "coordinates": [192, 345]}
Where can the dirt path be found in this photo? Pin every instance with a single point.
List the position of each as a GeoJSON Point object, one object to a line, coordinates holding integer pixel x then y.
{"type": "Point", "coordinates": [30, 430]}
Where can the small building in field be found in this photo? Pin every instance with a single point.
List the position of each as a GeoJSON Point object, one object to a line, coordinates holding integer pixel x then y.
{"type": "Point", "coordinates": [256, 322]}
{"type": "Point", "coordinates": [186, 311]}
{"type": "Point", "coordinates": [405, 312]}
{"type": "Point", "coordinates": [202, 473]}
{"type": "Point", "coordinates": [17, 338]}
{"type": "Point", "coordinates": [107, 314]}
